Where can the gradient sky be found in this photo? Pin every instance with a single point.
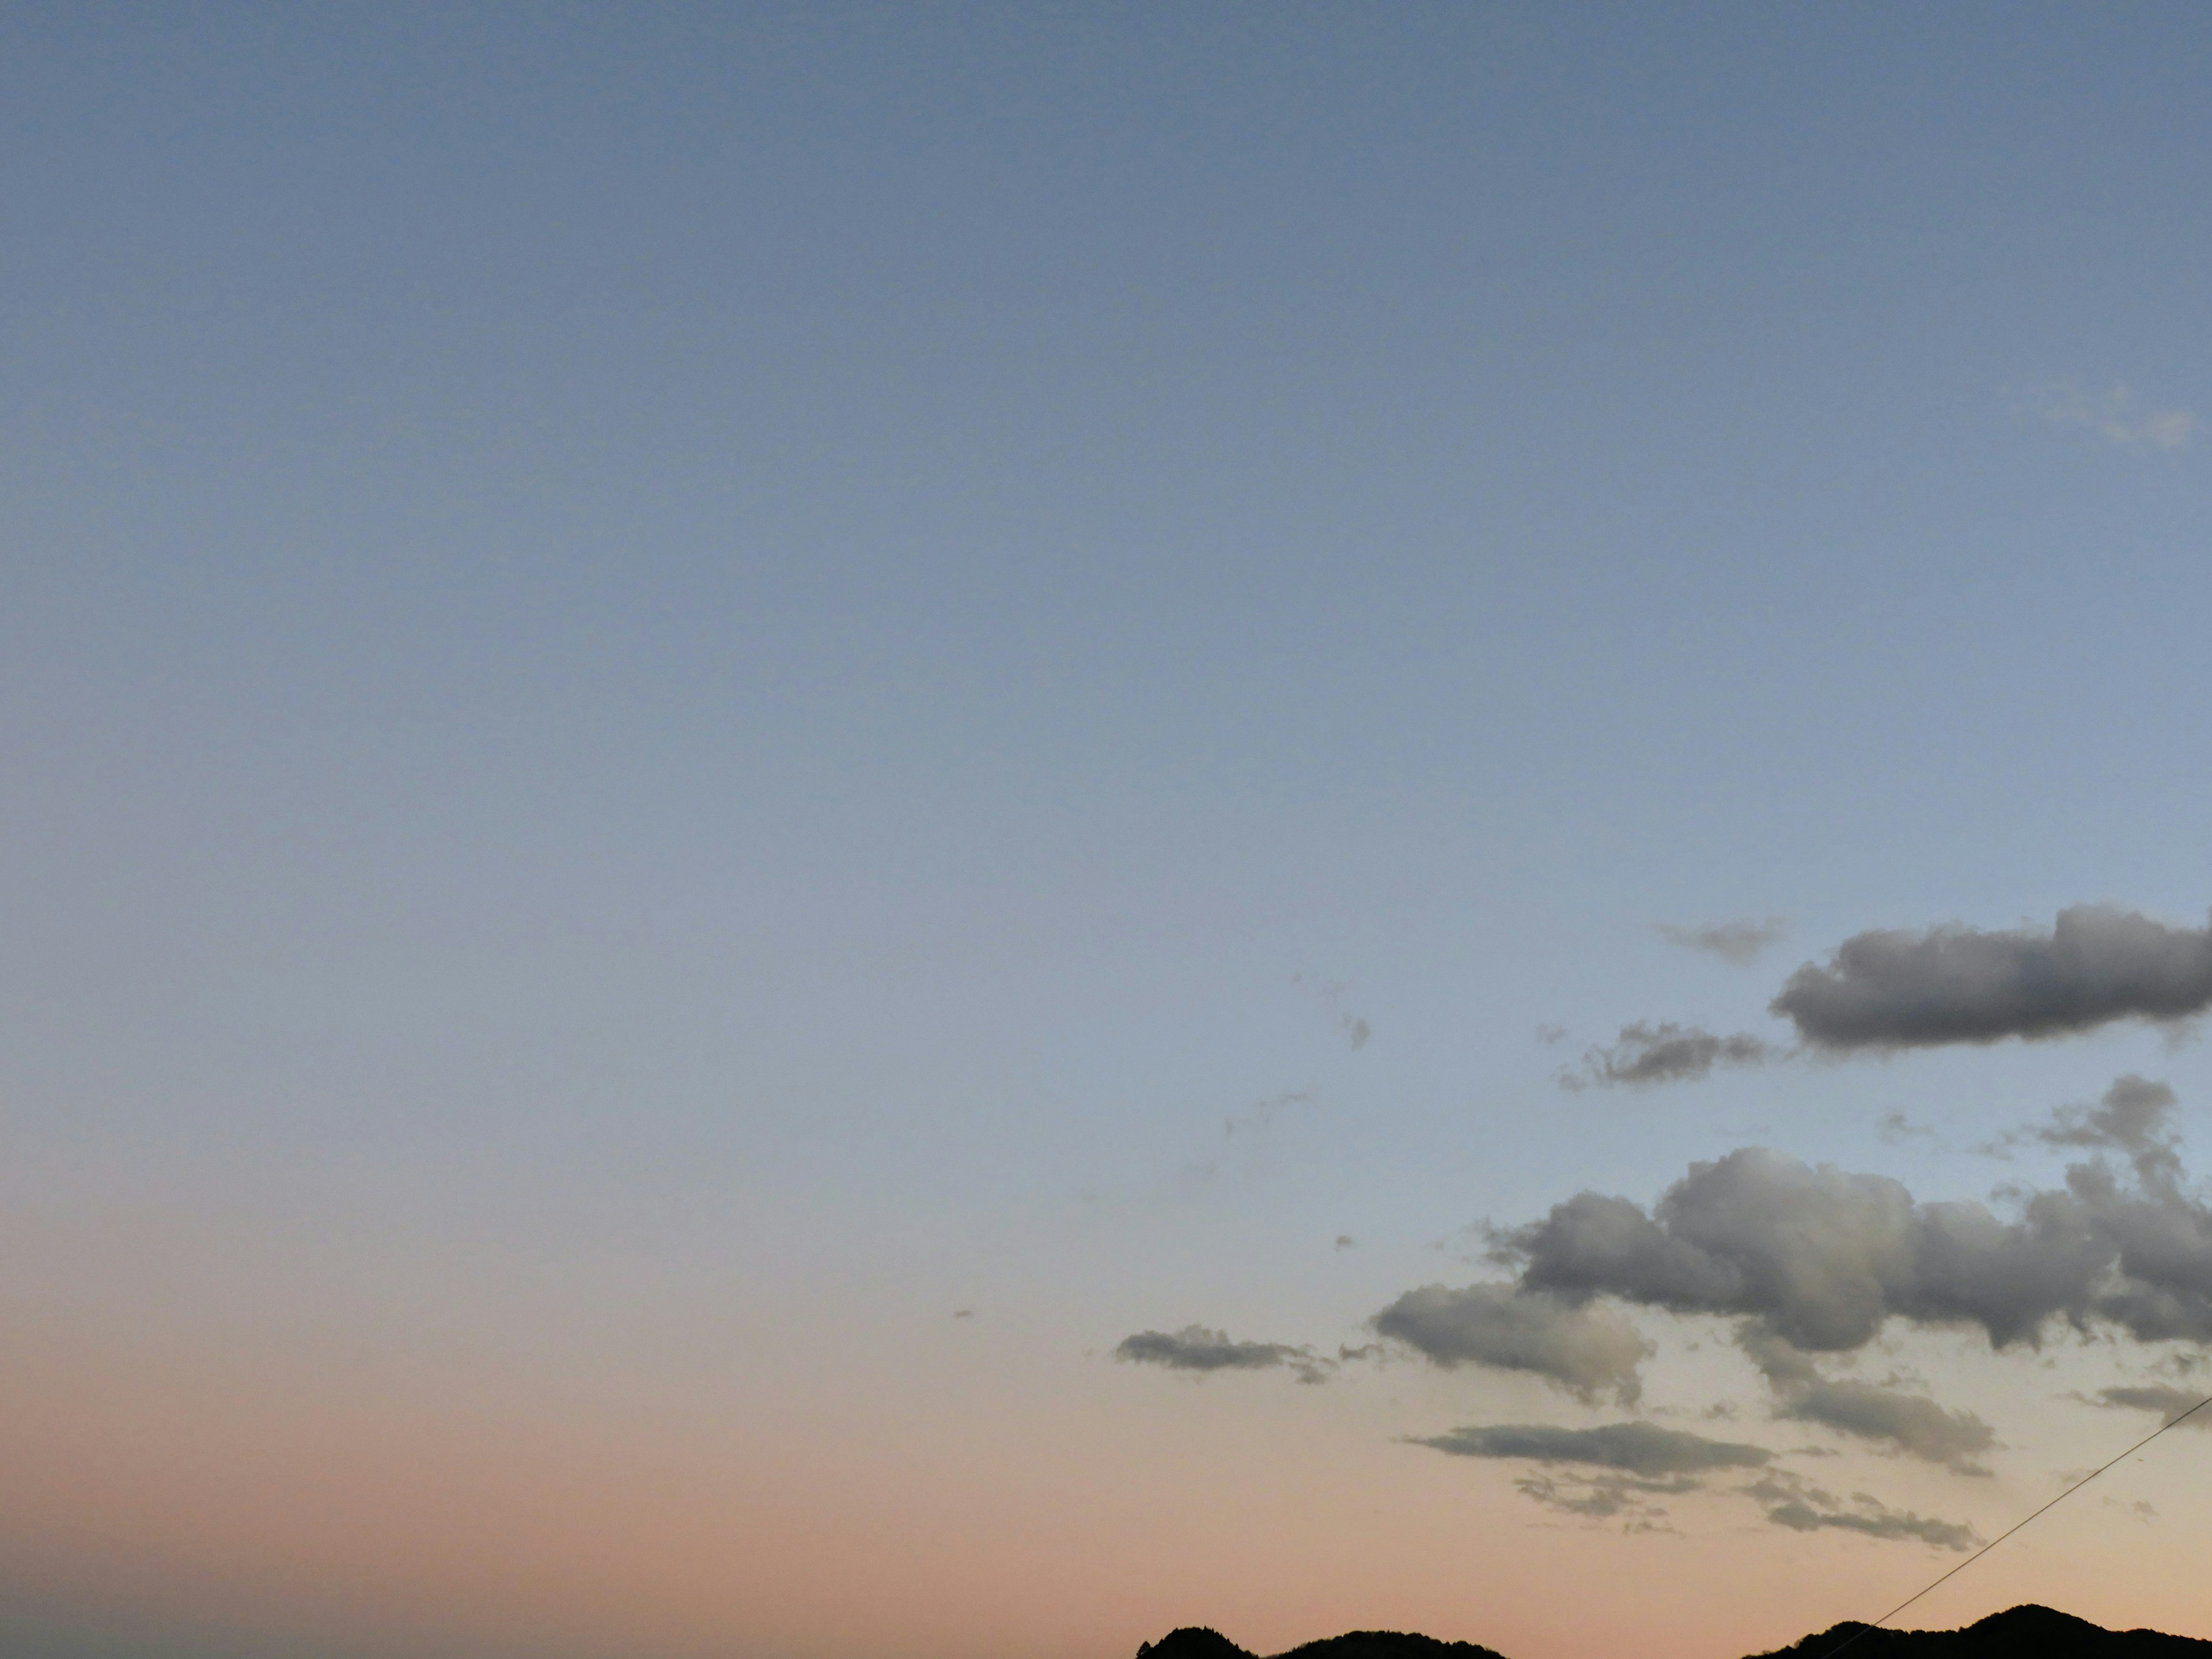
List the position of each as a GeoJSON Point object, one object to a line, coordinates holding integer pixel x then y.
{"type": "Point", "coordinates": [716, 720]}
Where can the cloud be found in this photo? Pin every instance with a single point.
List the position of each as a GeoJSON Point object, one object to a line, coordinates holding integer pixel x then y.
{"type": "Point", "coordinates": [1824, 1257]}
{"type": "Point", "coordinates": [1740, 942]}
{"type": "Point", "coordinates": [1644, 1450]}
{"type": "Point", "coordinates": [1584, 1350]}
{"type": "Point", "coordinates": [1665, 1053]}
{"type": "Point", "coordinates": [1612, 1472]}
{"type": "Point", "coordinates": [1799, 1506]}
{"type": "Point", "coordinates": [2132, 1118]}
{"type": "Point", "coordinates": [2168, 1403]}
{"type": "Point", "coordinates": [1330, 993]}
{"type": "Point", "coordinates": [1607, 1497]}
{"type": "Point", "coordinates": [2117, 415]}
{"type": "Point", "coordinates": [1891, 989]}
{"type": "Point", "coordinates": [1197, 1349]}
{"type": "Point", "coordinates": [1263, 1113]}
{"type": "Point", "coordinates": [1912, 1423]}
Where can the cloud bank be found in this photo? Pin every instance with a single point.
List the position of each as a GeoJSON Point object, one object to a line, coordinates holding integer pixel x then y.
{"type": "Point", "coordinates": [1615, 1470]}
{"type": "Point", "coordinates": [1891, 989]}
{"type": "Point", "coordinates": [1823, 1257]}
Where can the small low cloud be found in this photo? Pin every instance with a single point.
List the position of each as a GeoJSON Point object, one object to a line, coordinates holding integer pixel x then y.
{"type": "Point", "coordinates": [1644, 1450]}
{"type": "Point", "coordinates": [2168, 1403]}
{"type": "Point", "coordinates": [1201, 1350]}
{"type": "Point", "coordinates": [1740, 942]}
{"type": "Point", "coordinates": [1261, 1113]}
{"type": "Point", "coordinates": [1330, 994]}
{"type": "Point", "coordinates": [1882, 1412]}
{"type": "Point", "coordinates": [1624, 1499]}
{"type": "Point", "coordinates": [1647, 1054]}
{"type": "Point", "coordinates": [1892, 989]}
{"type": "Point", "coordinates": [2116, 415]}
{"type": "Point", "coordinates": [2133, 1117]}
{"type": "Point", "coordinates": [1797, 1504]}
{"type": "Point", "coordinates": [1587, 1351]}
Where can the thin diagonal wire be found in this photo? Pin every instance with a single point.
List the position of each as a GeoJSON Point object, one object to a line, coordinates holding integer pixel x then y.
{"type": "Point", "coordinates": [2173, 1423]}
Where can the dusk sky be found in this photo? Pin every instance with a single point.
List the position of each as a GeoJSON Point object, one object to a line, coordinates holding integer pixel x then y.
{"type": "Point", "coordinates": [947, 831]}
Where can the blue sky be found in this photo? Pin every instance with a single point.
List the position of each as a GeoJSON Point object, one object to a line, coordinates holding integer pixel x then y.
{"type": "Point", "coordinates": [683, 687]}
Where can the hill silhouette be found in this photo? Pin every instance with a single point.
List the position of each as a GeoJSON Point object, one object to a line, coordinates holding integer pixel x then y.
{"type": "Point", "coordinates": [2022, 1633]}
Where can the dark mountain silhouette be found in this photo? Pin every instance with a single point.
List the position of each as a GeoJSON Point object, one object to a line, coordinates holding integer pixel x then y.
{"type": "Point", "coordinates": [2023, 1632]}
{"type": "Point", "coordinates": [1199, 1643]}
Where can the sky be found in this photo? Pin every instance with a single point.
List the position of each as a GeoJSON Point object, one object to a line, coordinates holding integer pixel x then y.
{"type": "Point", "coordinates": [883, 832]}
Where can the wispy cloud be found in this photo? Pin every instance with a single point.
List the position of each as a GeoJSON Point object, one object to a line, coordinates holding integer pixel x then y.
{"type": "Point", "coordinates": [1796, 1504]}
{"type": "Point", "coordinates": [2116, 415]}
{"type": "Point", "coordinates": [1646, 1054]}
{"type": "Point", "coordinates": [1639, 1449]}
{"type": "Point", "coordinates": [1330, 993]}
{"type": "Point", "coordinates": [2168, 1403]}
{"type": "Point", "coordinates": [1740, 942]}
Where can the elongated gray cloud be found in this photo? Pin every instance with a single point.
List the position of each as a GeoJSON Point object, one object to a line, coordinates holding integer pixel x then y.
{"type": "Point", "coordinates": [1199, 1349]}
{"type": "Point", "coordinates": [1740, 942]}
{"type": "Point", "coordinates": [1606, 1496]}
{"type": "Point", "coordinates": [2168, 1403]}
{"type": "Point", "coordinates": [1646, 1054]}
{"type": "Point", "coordinates": [1587, 1351]}
{"type": "Point", "coordinates": [1891, 989]}
{"type": "Point", "coordinates": [1638, 1449]}
{"type": "Point", "coordinates": [1883, 1412]}
{"type": "Point", "coordinates": [1800, 1506]}
{"type": "Point", "coordinates": [1823, 1257]}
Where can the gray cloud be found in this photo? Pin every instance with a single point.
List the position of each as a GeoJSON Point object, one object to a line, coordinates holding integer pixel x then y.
{"type": "Point", "coordinates": [2131, 1118]}
{"type": "Point", "coordinates": [1613, 1472]}
{"type": "Point", "coordinates": [1585, 1350]}
{"type": "Point", "coordinates": [1195, 1348]}
{"type": "Point", "coordinates": [1912, 1423]}
{"type": "Point", "coordinates": [1638, 1449]}
{"type": "Point", "coordinates": [1796, 1504]}
{"type": "Point", "coordinates": [1740, 942]}
{"type": "Point", "coordinates": [1607, 1497]}
{"type": "Point", "coordinates": [1892, 989]}
{"type": "Point", "coordinates": [1664, 1053]}
{"type": "Point", "coordinates": [1824, 1257]}
{"type": "Point", "coordinates": [2168, 1403]}
{"type": "Point", "coordinates": [1330, 993]}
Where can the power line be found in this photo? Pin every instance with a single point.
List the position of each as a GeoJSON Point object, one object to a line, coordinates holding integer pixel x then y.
{"type": "Point", "coordinates": [2172, 1423]}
